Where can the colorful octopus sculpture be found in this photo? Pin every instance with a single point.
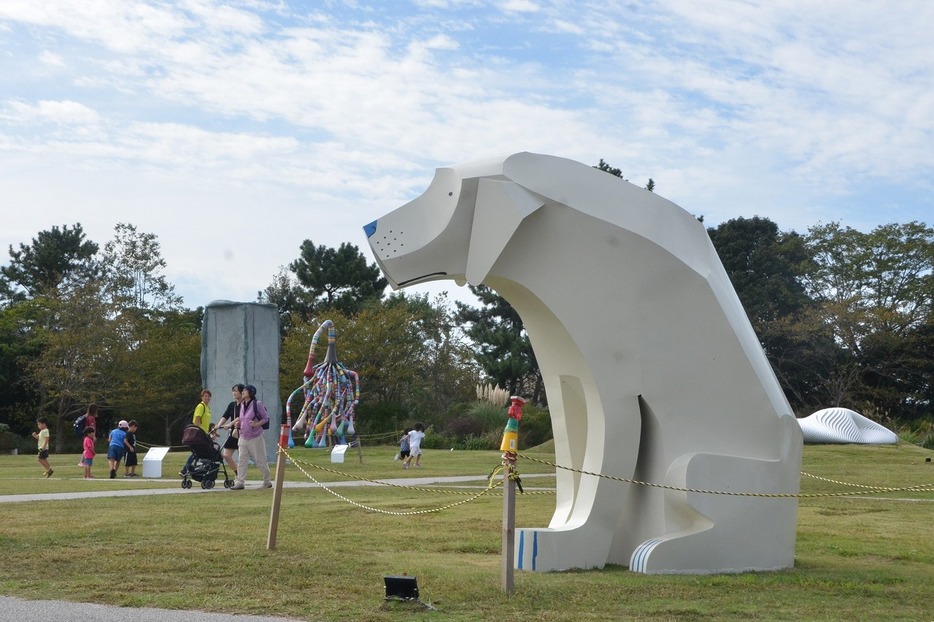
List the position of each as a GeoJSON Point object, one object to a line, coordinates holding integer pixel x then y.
{"type": "Point", "coordinates": [331, 392]}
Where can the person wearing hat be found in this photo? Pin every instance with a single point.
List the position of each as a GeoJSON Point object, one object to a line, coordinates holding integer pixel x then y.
{"type": "Point", "coordinates": [251, 443]}
{"type": "Point", "coordinates": [116, 446]}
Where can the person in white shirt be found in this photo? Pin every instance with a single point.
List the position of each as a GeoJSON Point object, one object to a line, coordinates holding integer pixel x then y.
{"type": "Point", "coordinates": [415, 446]}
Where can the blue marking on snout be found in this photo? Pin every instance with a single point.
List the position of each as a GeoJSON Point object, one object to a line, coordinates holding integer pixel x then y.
{"type": "Point", "coordinates": [370, 229]}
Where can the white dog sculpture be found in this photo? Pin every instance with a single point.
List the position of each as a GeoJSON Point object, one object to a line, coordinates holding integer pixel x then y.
{"type": "Point", "coordinates": [652, 370]}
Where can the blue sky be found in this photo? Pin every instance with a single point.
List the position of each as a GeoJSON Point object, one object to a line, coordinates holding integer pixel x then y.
{"type": "Point", "coordinates": [236, 130]}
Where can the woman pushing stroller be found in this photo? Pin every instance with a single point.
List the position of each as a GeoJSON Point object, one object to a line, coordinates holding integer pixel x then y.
{"type": "Point", "coordinates": [230, 422]}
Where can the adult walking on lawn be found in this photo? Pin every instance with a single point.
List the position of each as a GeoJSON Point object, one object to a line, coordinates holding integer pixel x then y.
{"type": "Point", "coordinates": [251, 444]}
{"type": "Point", "coordinates": [229, 422]}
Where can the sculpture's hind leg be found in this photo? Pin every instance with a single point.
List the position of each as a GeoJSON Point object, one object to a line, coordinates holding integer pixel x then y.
{"type": "Point", "coordinates": [708, 533]}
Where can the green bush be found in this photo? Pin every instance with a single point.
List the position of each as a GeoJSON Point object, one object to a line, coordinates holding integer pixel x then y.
{"type": "Point", "coordinates": [10, 441]}
{"type": "Point", "coordinates": [489, 440]}
{"type": "Point", "coordinates": [438, 441]}
{"type": "Point", "coordinates": [458, 410]}
{"type": "Point", "coordinates": [480, 426]}
{"type": "Point", "coordinates": [918, 432]}
{"type": "Point", "coordinates": [462, 426]}
{"type": "Point", "coordinates": [535, 427]}
{"type": "Point", "coordinates": [491, 417]}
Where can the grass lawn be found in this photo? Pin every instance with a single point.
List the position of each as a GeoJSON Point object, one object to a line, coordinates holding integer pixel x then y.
{"type": "Point", "coordinates": [858, 557]}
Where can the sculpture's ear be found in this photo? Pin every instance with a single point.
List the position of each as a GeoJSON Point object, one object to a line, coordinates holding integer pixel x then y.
{"type": "Point", "coordinates": [501, 207]}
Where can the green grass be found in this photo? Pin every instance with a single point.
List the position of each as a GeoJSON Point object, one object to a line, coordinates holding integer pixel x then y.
{"type": "Point", "coordinates": [858, 558]}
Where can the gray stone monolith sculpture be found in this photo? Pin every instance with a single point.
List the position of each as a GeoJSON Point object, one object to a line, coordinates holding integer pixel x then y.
{"type": "Point", "coordinates": [240, 344]}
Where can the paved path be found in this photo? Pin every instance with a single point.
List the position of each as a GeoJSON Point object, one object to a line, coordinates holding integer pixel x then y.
{"type": "Point", "coordinates": [59, 611]}
{"type": "Point", "coordinates": [178, 490]}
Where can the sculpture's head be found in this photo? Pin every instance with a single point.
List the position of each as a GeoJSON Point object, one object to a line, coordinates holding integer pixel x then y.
{"type": "Point", "coordinates": [427, 239]}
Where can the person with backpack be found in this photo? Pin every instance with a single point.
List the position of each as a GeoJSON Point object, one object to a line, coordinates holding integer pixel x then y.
{"type": "Point", "coordinates": [252, 418]}
{"type": "Point", "coordinates": [87, 420]}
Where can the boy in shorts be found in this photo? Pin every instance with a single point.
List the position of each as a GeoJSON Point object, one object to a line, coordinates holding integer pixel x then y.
{"type": "Point", "coordinates": [43, 437]}
{"type": "Point", "coordinates": [116, 447]}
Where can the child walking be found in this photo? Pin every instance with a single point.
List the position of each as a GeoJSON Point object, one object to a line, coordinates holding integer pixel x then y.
{"type": "Point", "coordinates": [116, 448]}
{"type": "Point", "coordinates": [43, 437]}
{"type": "Point", "coordinates": [404, 447]}
{"type": "Point", "coordinates": [415, 446]}
{"type": "Point", "coordinates": [130, 461]}
{"type": "Point", "coordinates": [87, 456]}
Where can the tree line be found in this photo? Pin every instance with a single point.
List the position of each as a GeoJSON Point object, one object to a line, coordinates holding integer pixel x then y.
{"type": "Point", "coordinates": [81, 323]}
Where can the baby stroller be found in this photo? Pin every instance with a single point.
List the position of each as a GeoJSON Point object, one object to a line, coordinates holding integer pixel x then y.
{"type": "Point", "coordinates": [207, 459]}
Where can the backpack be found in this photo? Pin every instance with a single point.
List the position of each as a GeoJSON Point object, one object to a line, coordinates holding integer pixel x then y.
{"type": "Point", "coordinates": [256, 413]}
{"type": "Point", "coordinates": [79, 425]}
{"type": "Point", "coordinates": [266, 425]}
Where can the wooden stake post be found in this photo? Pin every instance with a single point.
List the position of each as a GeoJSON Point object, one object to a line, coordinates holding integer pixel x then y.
{"type": "Point", "coordinates": [277, 491]}
{"type": "Point", "coordinates": [509, 530]}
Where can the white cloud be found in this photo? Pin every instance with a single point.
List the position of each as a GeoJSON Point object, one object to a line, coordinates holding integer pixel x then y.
{"type": "Point", "coordinates": [51, 59]}
{"type": "Point", "coordinates": [310, 123]}
{"type": "Point", "coordinates": [43, 112]}
{"type": "Point", "coordinates": [520, 6]}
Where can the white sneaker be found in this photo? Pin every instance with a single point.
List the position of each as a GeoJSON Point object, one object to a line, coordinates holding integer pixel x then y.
{"type": "Point", "coordinates": [267, 484]}
{"type": "Point", "coordinates": [237, 487]}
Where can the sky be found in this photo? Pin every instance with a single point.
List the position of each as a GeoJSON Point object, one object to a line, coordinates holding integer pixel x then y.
{"type": "Point", "coordinates": [236, 130]}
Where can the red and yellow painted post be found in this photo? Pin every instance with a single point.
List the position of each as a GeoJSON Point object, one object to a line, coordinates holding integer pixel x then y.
{"type": "Point", "coordinates": [510, 447]}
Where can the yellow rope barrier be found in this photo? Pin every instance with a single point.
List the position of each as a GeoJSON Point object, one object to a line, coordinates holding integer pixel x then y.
{"type": "Point", "coordinates": [833, 481]}
{"type": "Point", "coordinates": [778, 495]}
{"type": "Point", "coordinates": [371, 481]}
{"type": "Point", "coordinates": [378, 510]}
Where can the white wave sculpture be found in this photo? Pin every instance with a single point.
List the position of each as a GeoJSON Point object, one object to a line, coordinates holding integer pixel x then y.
{"type": "Point", "coordinates": [842, 425]}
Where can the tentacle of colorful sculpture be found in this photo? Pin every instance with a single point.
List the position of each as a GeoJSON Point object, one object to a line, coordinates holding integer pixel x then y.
{"type": "Point", "coordinates": [331, 393]}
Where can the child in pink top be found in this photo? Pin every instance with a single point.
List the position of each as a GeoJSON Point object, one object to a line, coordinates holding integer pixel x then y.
{"type": "Point", "coordinates": [87, 458]}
